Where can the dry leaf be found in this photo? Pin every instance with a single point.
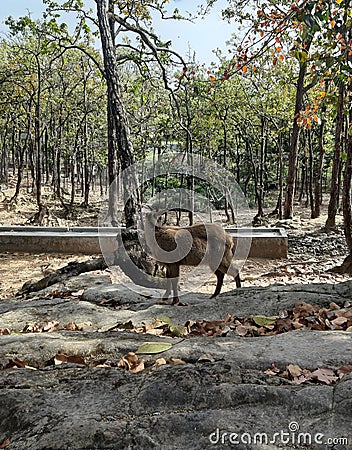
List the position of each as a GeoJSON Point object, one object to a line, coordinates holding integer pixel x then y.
{"type": "Point", "coordinates": [16, 363]}
{"type": "Point", "coordinates": [131, 363]}
{"type": "Point", "coordinates": [138, 367]}
{"type": "Point", "coordinates": [343, 370]}
{"type": "Point", "coordinates": [205, 358]}
{"type": "Point", "coordinates": [31, 328]}
{"type": "Point", "coordinates": [241, 330]}
{"type": "Point", "coordinates": [50, 326]}
{"type": "Point", "coordinates": [273, 370]}
{"type": "Point", "coordinates": [72, 326]}
{"type": "Point", "coordinates": [176, 361]}
{"type": "Point", "coordinates": [160, 362]}
{"type": "Point", "coordinates": [339, 321]}
{"type": "Point", "coordinates": [334, 306]}
{"type": "Point", "coordinates": [59, 359]}
{"type": "Point", "coordinates": [64, 359]}
{"type": "Point", "coordinates": [4, 331]}
{"type": "Point", "coordinates": [5, 443]}
{"type": "Point", "coordinates": [324, 375]}
{"type": "Point", "coordinates": [294, 370]}
{"type": "Point", "coordinates": [78, 293]}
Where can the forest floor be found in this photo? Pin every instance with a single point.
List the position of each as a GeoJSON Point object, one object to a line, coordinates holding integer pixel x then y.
{"type": "Point", "coordinates": [312, 250]}
{"type": "Point", "coordinates": [90, 364]}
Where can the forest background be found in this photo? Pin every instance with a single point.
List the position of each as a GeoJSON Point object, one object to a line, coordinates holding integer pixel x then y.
{"type": "Point", "coordinates": [273, 107]}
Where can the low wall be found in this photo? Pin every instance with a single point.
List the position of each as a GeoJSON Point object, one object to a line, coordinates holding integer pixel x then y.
{"type": "Point", "coordinates": [265, 242]}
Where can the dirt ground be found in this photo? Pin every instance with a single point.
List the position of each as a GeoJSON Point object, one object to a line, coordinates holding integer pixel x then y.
{"type": "Point", "coordinates": [312, 251]}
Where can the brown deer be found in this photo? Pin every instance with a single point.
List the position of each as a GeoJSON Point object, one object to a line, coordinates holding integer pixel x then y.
{"type": "Point", "coordinates": [173, 247]}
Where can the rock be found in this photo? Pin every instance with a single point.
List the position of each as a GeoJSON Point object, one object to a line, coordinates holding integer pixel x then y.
{"type": "Point", "coordinates": [196, 405]}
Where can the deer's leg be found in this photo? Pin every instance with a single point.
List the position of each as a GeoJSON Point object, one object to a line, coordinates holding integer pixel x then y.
{"type": "Point", "coordinates": [168, 285]}
{"type": "Point", "coordinates": [220, 276]}
{"type": "Point", "coordinates": [238, 280]}
{"type": "Point", "coordinates": [173, 274]}
{"type": "Point", "coordinates": [233, 271]}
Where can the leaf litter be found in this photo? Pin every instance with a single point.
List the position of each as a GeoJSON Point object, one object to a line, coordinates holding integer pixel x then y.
{"type": "Point", "coordinates": [302, 316]}
{"type": "Point", "coordinates": [321, 375]}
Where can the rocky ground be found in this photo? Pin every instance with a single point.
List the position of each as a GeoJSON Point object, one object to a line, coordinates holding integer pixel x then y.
{"type": "Point", "coordinates": [267, 366]}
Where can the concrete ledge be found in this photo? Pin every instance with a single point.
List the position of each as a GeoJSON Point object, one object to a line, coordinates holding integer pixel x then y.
{"type": "Point", "coordinates": [266, 242]}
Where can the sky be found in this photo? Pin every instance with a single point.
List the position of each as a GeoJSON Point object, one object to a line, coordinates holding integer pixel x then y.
{"type": "Point", "coordinates": [202, 37]}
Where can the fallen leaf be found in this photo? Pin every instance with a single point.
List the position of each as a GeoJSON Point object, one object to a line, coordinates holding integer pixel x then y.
{"type": "Point", "coordinates": [78, 293]}
{"type": "Point", "coordinates": [178, 331]}
{"type": "Point", "coordinates": [339, 321]}
{"type": "Point", "coordinates": [153, 347]}
{"type": "Point", "coordinates": [160, 362]}
{"type": "Point", "coordinates": [294, 370]}
{"type": "Point", "coordinates": [324, 375]}
{"type": "Point", "coordinates": [72, 326]}
{"type": "Point", "coordinates": [64, 359]}
{"type": "Point", "coordinates": [50, 326]}
{"type": "Point", "coordinates": [59, 359]}
{"type": "Point", "coordinates": [16, 363]}
{"type": "Point", "coordinates": [138, 367]}
{"type": "Point", "coordinates": [75, 359]}
{"type": "Point", "coordinates": [205, 358]}
{"type": "Point", "coordinates": [264, 321]}
{"type": "Point", "coordinates": [4, 331]}
{"type": "Point", "coordinates": [273, 370]}
{"type": "Point", "coordinates": [5, 443]}
{"type": "Point", "coordinates": [176, 361]}
{"type": "Point", "coordinates": [343, 370]}
{"type": "Point", "coordinates": [131, 363]}
{"type": "Point", "coordinates": [334, 306]}
{"type": "Point", "coordinates": [31, 328]}
{"type": "Point", "coordinates": [241, 330]}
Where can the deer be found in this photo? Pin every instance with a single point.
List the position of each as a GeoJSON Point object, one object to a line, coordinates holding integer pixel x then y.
{"type": "Point", "coordinates": [173, 247]}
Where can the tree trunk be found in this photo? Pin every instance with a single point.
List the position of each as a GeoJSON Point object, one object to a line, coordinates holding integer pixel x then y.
{"type": "Point", "coordinates": [346, 193]}
{"type": "Point", "coordinates": [319, 168]}
{"type": "Point", "coordinates": [120, 149]}
{"type": "Point", "coordinates": [311, 174]}
{"type": "Point", "coordinates": [291, 175]}
{"type": "Point", "coordinates": [334, 192]}
{"type": "Point", "coordinates": [38, 141]}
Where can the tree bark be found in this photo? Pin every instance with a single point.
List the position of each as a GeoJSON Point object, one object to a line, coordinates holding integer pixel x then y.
{"type": "Point", "coordinates": [120, 148]}
{"type": "Point", "coordinates": [334, 192]}
{"type": "Point", "coordinates": [293, 155]}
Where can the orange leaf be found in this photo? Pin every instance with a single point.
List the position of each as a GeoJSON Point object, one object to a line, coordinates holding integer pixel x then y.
{"type": "Point", "coordinates": [5, 443]}
{"type": "Point", "coordinates": [282, 57]}
{"type": "Point", "coordinates": [244, 69]}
